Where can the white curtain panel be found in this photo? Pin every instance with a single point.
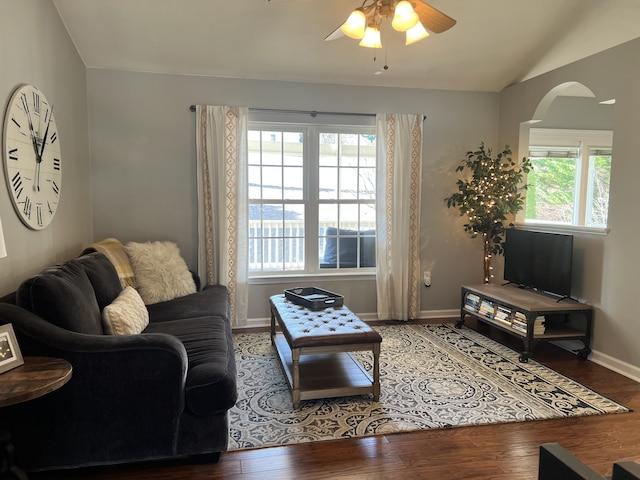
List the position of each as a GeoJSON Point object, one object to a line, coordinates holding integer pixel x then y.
{"type": "Point", "coordinates": [221, 148]}
{"type": "Point", "coordinates": [399, 144]}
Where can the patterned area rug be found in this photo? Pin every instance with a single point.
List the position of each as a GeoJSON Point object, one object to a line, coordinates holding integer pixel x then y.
{"type": "Point", "coordinates": [432, 376]}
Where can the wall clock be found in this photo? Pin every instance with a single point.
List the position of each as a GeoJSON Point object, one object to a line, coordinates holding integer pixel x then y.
{"type": "Point", "coordinates": [32, 160]}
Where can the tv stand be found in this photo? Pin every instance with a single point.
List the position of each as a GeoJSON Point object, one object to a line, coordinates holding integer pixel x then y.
{"type": "Point", "coordinates": [522, 286]}
{"type": "Point", "coordinates": [522, 312]}
{"type": "Point", "coordinates": [566, 297]}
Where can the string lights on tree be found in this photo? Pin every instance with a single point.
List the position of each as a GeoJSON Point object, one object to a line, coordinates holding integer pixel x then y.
{"type": "Point", "coordinates": [488, 197]}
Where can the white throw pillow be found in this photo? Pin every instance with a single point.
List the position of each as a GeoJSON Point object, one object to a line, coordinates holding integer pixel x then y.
{"type": "Point", "coordinates": [127, 314]}
{"type": "Point", "coordinates": [161, 273]}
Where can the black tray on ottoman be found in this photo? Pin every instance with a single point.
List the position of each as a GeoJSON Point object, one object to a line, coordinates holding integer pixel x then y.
{"type": "Point", "coordinates": [314, 298]}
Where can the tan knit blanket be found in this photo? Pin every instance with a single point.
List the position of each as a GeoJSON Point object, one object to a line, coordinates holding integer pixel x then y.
{"type": "Point", "coordinates": [114, 250]}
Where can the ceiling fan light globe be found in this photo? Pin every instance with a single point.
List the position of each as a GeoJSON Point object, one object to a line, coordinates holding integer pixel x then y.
{"type": "Point", "coordinates": [404, 17]}
{"type": "Point", "coordinates": [416, 33]}
{"type": "Point", "coordinates": [355, 25]}
{"type": "Point", "coordinates": [371, 38]}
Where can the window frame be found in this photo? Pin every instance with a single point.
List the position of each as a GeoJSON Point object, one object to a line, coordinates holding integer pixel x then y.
{"type": "Point", "coordinates": [584, 141]}
{"type": "Point", "coordinates": [311, 195]}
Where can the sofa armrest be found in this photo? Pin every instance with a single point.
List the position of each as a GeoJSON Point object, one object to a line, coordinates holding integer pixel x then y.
{"type": "Point", "coordinates": [146, 365]}
{"type": "Point", "coordinates": [557, 463]}
{"type": "Point", "coordinates": [130, 388]}
{"type": "Point", "coordinates": [627, 470]}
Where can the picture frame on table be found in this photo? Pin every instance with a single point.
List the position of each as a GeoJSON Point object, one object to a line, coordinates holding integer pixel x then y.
{"type": "Point", "coordinates": [10, 355]}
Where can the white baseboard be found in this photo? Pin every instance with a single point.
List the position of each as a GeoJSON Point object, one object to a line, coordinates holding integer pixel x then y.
{"type": "Point", "coordinates": [254, 323]}
{"type": "Point", "coordinates": [618, 366]}
{"type": "Point", "coordinates": [437, 314]}
{"type": "Point", "coordinates": [607, 361]}
{"type": "Point", "coordinates": [367, 317]}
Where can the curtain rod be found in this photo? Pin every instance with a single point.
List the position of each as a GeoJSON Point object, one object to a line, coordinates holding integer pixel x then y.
{"type": "Point", "coordinates": [313, 113]}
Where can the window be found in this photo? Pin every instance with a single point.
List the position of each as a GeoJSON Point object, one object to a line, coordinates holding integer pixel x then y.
{"type": "Point", "coordinates": [569, 181]}
{"type": "Point", "coordinates": [311, 198]}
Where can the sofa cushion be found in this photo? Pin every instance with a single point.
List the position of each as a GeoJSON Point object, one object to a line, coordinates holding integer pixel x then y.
{"type": "Point", "coordinates": [161, 273]}
{"type": "Point", "coordinates": [127, 315]}
{"type": "Point", "coordinates": [103, 277]}
{"type": "Point", "coordinates": [211, 376]}
{"type": "Point", "coordinates": [114, 250]}
{"type": "Point", "coordinates": [63, 295]}
{"type": "Point", "coordinates": [211, 301]}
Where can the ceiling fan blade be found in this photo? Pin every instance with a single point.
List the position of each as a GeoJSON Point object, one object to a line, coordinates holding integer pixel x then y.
{"type": "Point", "coordinates": [432, 19]}
{"type": "Point", "coordinates": [337, 33]}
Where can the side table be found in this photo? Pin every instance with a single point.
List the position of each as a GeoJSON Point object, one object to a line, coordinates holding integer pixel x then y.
{"type": "Point", "coordinates": [37, 377]}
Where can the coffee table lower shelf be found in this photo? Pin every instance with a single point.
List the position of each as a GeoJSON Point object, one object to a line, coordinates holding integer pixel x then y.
{"type": "Point", "coordinates": [325, 372]}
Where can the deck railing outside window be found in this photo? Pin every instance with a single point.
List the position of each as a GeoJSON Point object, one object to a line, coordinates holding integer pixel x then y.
{"type": "Point", "coordinates": [271, 247]}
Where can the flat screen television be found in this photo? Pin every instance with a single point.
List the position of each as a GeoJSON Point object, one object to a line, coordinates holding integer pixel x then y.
{"type": "Point", "coordinates": [539, 260]}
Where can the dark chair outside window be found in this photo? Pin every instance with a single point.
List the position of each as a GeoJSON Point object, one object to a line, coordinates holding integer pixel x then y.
{"type": "Point", "coordinates": [349, 248]}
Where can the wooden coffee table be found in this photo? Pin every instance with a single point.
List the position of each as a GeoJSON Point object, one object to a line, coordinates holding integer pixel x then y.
{"type": "Point", "coordinates": [313, 347]}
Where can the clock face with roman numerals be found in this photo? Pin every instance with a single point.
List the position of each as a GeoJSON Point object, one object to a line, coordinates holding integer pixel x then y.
{"type": "Point", "coordinates": [32, 160]}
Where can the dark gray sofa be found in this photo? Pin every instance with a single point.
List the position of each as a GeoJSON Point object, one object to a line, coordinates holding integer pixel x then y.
{"type": "Point", "coordinates": [160, 394]}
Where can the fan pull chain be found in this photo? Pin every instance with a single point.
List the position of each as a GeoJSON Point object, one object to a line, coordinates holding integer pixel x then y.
{"type": "Point", "coordinates": [386, 49]}
{"type": "Point", "coordinates": [386, 56]}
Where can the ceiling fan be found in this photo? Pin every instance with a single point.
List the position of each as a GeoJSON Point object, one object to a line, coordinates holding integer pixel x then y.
{"type": "Point", "coordinates": [416, 18]}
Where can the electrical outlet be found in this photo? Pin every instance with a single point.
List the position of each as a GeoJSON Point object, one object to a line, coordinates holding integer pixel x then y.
{"type": "Point", "coordinates": [427, 278]}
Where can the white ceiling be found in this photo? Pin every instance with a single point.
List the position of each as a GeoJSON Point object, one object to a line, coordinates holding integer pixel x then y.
{"type": "Point", "coordinates": [494, 44]}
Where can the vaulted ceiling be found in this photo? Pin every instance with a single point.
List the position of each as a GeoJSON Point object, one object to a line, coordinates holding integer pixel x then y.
{"type": "Point", "coordinates": [495, 43]}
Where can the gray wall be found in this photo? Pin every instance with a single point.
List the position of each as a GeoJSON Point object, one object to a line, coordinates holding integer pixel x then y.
{"type": "Point", "coordinates": [579, 113]}
{"type": "Point", "coordinates": [143, 161]}
{"type": "Point", "coordinates": [608, 263]}
{"type": "Point", "coordinates": [37, 50]}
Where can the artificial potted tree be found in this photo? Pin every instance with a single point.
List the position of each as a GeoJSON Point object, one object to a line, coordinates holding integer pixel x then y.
{"type": "Point", "coordinates": [489, 196]}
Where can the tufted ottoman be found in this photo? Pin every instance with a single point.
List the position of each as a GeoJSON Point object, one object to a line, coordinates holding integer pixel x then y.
{"type": "Point", "coordinates": [314, 345]}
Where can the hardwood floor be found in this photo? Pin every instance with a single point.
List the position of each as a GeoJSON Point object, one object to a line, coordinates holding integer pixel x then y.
{"type": "Point", "coordinates": [498, 452]}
